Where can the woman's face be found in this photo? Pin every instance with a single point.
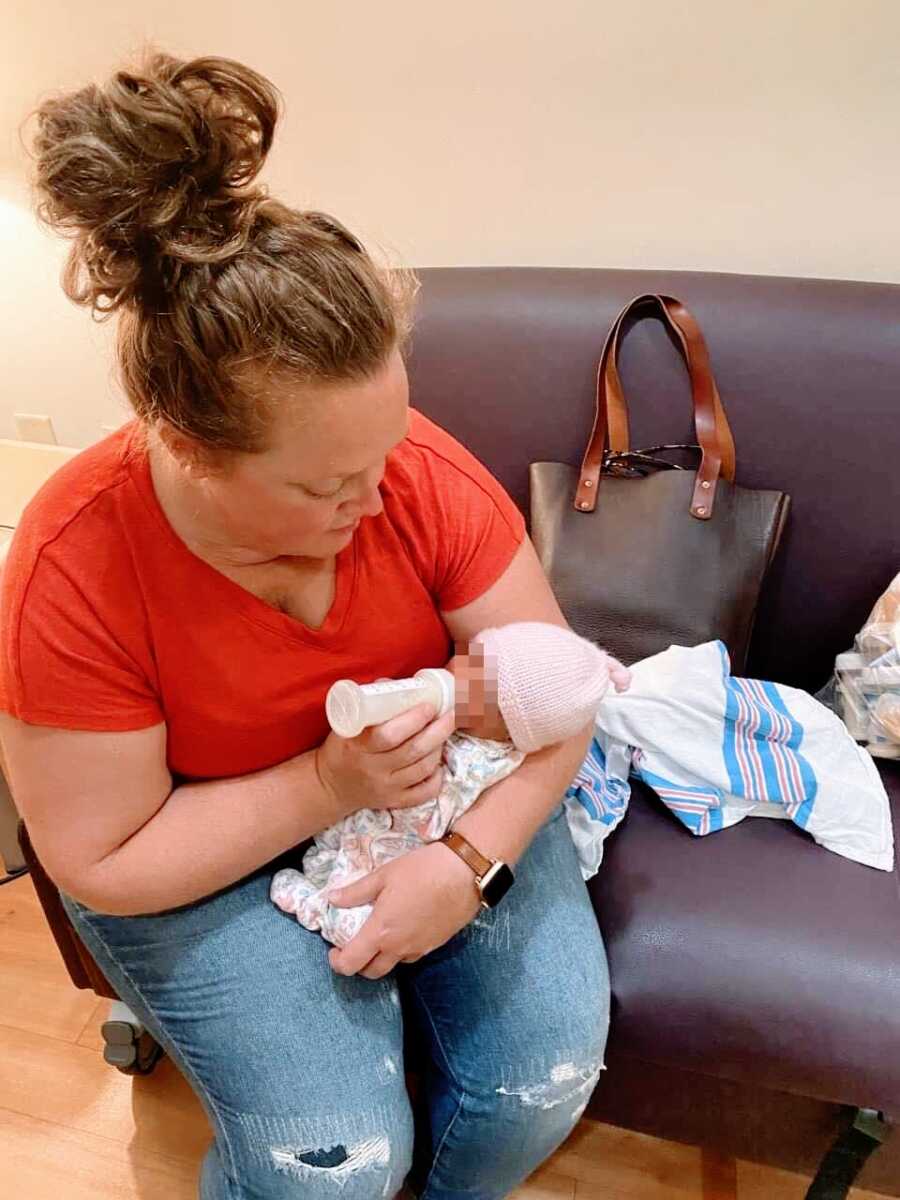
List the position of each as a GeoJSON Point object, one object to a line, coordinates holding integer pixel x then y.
{"type": "Point", "coordinates": [307, 493]}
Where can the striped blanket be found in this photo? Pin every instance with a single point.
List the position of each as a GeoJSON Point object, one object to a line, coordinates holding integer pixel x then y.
{"type": "Point", "coordinates": [716, 749]}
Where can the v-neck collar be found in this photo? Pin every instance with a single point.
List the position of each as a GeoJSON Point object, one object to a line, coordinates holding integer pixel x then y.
{"type": "Point", "coordinates": [245, 603]}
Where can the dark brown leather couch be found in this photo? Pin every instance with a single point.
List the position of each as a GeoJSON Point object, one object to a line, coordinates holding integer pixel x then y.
{"type": "Point", "coordinates": [756, 977]}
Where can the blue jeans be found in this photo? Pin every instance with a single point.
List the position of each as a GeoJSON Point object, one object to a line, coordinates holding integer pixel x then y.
{"type": "Point", "coordinates": [301, 1071]}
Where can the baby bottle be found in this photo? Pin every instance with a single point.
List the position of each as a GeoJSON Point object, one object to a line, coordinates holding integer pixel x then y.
{"type": "Point", "coordinates": [352, 707]}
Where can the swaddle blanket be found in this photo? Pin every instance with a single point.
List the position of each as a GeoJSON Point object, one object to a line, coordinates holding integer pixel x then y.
{"type": "Point", "coordinates": [717, 749]}
{"type": "Point", "coordinates": [366, 839]}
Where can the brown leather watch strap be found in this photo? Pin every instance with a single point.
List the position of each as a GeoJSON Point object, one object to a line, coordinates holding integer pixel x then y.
{"type": "Point", "coordinates": [467, 852]}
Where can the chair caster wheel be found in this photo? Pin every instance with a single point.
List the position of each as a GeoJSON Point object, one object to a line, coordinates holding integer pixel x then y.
{"type": "Point", "coordinates": [128, 1046]}
{"type": "Point", "coordinates": [130, 1049]}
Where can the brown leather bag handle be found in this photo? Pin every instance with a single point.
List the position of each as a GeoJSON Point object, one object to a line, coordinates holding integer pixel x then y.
{"type": "Point", "coordinates": [611, 416]}
{"type": "Point", "coordinates": [693, 346]}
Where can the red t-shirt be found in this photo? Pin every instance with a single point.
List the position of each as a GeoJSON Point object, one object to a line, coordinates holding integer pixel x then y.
{"type": "Point", "coordinates": [109, 622]}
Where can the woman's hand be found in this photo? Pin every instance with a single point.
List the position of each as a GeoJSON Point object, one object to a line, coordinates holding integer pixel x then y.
{"type": "Point", "coordinates": [420, 901]}
{"type": "Point", "coordinates": [393, 765]}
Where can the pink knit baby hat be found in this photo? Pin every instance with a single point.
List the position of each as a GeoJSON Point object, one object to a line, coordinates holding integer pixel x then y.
{"type": "Point", "coordinates": [550, 681]}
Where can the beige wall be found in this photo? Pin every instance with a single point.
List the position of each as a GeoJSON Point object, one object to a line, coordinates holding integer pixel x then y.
{"type": "Point", "coordinates": [710, 134]}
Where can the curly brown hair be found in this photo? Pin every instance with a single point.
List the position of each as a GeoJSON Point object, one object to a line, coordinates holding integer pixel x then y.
{"type": "Point", "coordinates": [219, 289]}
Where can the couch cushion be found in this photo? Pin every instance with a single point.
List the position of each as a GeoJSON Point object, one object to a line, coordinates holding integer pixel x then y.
{"type": "Point", "coordinates": [754, 954]}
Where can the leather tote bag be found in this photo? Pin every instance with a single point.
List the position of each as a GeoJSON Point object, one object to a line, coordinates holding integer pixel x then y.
{"type": "Point", "coordinates": [642, 553]}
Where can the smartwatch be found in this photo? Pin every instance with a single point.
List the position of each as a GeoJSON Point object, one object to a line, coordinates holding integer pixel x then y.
{"type": "Point", "coordinates": [493, 878]}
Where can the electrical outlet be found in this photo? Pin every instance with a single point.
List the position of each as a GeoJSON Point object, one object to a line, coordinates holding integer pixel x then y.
{"type": "Point", "coordinates": [31, 427]}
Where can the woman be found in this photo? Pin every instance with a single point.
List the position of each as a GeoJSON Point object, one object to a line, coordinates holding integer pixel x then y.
{"type": "Point", "coordinates": [176, 603]}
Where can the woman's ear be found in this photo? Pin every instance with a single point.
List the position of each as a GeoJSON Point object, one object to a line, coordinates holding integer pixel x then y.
{"type": "Point", "coordinates": [194, 458]}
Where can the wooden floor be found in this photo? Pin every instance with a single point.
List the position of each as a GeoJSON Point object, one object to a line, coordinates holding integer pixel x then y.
{"type": "Point", "coordinates": [72, 1128]}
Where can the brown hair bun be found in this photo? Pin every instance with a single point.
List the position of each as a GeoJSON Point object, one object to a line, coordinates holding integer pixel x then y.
{"type": "Point", "coordinates": [151, 171]}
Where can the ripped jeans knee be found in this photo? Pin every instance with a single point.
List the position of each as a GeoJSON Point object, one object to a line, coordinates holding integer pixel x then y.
{"type": "Point", "coordinates": [566, 1087]}
{"type": "Point", "coordinates": [285, 1158]}
{"type": "Point", "coordinates": [523, 1115]}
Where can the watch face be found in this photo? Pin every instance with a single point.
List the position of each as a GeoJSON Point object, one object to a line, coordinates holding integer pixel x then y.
{"type": "Point", "coordinates": [496, 883]}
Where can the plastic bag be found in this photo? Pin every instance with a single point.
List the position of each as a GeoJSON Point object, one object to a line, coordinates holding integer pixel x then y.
{"type": "Point", "coordinates": [867, 679]}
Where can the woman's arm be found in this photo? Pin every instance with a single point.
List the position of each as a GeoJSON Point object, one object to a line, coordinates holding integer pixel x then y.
{"type": "Point", "coordinates": [111, 831]}
{"type": "Point", "coordinates": [506, 817]}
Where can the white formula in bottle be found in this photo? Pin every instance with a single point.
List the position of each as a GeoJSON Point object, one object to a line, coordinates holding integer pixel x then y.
{"type": "Point", "coordinates": [352, 707]}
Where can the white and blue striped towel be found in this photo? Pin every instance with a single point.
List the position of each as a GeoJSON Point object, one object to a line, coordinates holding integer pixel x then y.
{"type": "Point", "coordinates": [717, 749]}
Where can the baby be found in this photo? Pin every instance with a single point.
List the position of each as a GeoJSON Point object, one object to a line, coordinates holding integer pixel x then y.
{"type": "Point", "coordinates": [521, 687]}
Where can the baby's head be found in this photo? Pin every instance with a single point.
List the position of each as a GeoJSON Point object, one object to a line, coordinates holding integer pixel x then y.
{"type": "Point", "coordinates": [532, 683]}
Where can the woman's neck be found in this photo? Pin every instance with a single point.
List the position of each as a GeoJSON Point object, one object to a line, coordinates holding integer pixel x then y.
{"type": "Point", "coordinates": [188, 508]}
